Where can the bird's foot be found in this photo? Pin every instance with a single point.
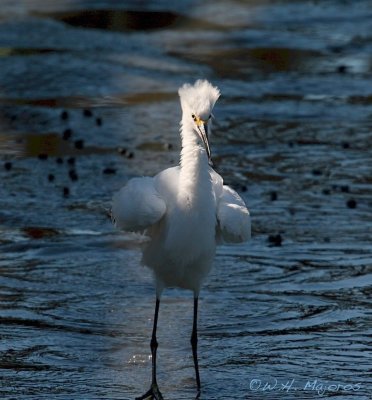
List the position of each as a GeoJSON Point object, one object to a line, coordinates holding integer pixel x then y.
{"type": "Point", "coordinates": [153, 393]}
{"type": "Point", "coordinates": [197, 397]}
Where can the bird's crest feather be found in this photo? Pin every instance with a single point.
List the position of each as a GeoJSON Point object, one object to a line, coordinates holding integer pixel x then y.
{"type": "Point", "coordinates": [198, 98]}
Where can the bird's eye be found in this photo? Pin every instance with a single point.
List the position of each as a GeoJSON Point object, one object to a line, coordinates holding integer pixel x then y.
{"type": "Point", "coordinates": [193, 117]}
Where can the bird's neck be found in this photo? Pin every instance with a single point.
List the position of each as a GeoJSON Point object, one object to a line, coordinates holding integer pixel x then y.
{"type": "Point", "coordinates": [195, 178]}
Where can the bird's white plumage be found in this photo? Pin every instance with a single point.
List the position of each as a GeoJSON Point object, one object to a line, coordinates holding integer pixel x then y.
{"type": "Point", "coordinates": [185, 210]}
{"type": "Point", "coordinates": [137, 205]}
{"type": "Point", "coordinates": [233, 217]}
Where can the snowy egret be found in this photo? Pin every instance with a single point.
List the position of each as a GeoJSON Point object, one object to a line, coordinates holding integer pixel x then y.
{"type": "Point", "coordinates": [185, 211]}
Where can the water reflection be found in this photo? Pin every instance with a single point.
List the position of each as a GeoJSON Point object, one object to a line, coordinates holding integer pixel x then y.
{"type": "Point", "coordinates": [120, 20]}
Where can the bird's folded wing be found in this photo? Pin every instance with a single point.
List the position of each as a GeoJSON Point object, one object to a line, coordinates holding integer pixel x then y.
{"type": "Point", "coordinates": [234, 223]}
{"type": "Point", "coordinates": [137, 205]}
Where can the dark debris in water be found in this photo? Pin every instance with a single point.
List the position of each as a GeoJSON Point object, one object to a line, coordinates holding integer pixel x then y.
{"type": "Point", "coordinates": [109, 171]}
{"type": "Point", "coordinates": [64, 115]}
{"type": "Point", "coordinates": [351, 203]}
{"type": "Point", "coordinates": [125, 152]}
{"type": "Point", "coordinates": [66, 191]}
{"type": "Point", "coordinates": [275, 239]}
{"type": "Point", "coordinates": [73, 175]}
{"type": "Point", "coordinates": [67, 133]}
{"type": "Point", "coordinates": [87, 112]}
{"type": "Point", "coordinates": [8, 165]}
{"type": "Point", "coordinates": [79, 144]}
{"type": "Point", "coordinates": [273, 196]}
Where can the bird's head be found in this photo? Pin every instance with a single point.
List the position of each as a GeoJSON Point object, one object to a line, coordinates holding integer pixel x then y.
{"type": "Point", "coordinates": [197, 102]}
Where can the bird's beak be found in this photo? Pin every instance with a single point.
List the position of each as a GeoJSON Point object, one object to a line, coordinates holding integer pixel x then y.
{"type": "Point", "coordinates": [203, 133]}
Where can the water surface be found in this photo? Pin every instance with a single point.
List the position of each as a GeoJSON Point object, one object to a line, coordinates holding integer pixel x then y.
{"type": "Point", "coordinates": [88, 99]}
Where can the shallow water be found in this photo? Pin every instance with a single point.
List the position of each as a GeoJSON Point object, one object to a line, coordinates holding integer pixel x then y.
{"type": "Point", "coordinates": [285, 316]}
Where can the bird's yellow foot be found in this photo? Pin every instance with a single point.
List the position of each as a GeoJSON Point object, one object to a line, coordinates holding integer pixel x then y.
{"type": "Point", "coordinates": [153, 393]}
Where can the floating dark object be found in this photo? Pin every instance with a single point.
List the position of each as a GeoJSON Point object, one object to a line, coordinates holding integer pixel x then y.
{"type": "Point", "coordinates": [168, 146]}
{"type": "Point", "coordinates": [51, 177]}
{"type": "Point", "coordinates": [326, 192]}
{"type": "Point", "coordinates": [351, 203]}
{"type": "Point", "coordinates": [344, 188]}
{"type": "Point", "coordinates": [71, 161]}
{"type": "Point", "coordinates": [345, 145]}
{"type": "Point", "coordinates": [275, 240]}
{"type": "Point", "coordinates": [64, 115]}
{"type": "Point", "coordinates": [341, 69]}
{"type": "Point", "coordinates": [99, 121]}
{"type": "Point", "coordinates": [59, 160]}
{"type": "Point", "coordinates": [8, 165]}
{"type": "Point", "coordinates": [66, 191]}
{"type": "Point", "coordinates": [317, 172]}
{"type": "Point", "coordinates": [67, 133]}
{"type": "Point", "coordinates": [73, 175]}
{"type": "Point", "coordinates": [273, 196]}
{"type": "Point", "coordinates": [87, 112]}
{"type": "Point", "coordinates": [43, 156]}
{"type": "Point", "coordinates": [125, 152]}
{"type": "Point", "coordinates": [109, 171]}
{"type": "Point", "coordinates": [79, 144]}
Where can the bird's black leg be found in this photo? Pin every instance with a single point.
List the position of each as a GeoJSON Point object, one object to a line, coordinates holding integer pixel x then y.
{"type": "Point", "coordinates": [194, 344]}
{"type": "Point", "coordinates": [153, 392]}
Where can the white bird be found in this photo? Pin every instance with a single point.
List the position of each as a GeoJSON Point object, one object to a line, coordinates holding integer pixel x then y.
{"type": "Point", "coordinates": [185, 211]}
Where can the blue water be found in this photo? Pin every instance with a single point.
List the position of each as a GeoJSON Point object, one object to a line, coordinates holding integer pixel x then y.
{"type": "Point", "coordinates": [286, 318]}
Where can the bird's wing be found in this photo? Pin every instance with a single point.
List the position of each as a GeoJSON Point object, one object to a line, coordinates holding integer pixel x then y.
{"type": "Point", "coordinates": [137, 205]}
{"type": "Point", "coordinates": [234, 222]}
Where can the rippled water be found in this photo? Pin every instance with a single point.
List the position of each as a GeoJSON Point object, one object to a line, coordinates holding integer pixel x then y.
{"type": "Point", "coordinates": [88, 99]}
